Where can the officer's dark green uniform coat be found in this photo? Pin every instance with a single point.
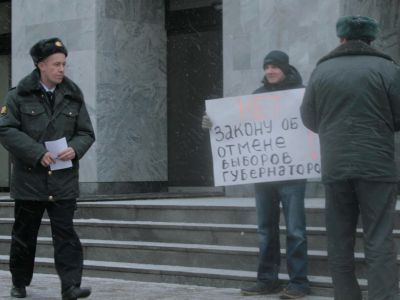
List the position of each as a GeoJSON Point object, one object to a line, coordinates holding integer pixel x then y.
{"type": "Point", "coordinates": [27, 122]}
{"type": "Point", "coordinates": [353, 102]}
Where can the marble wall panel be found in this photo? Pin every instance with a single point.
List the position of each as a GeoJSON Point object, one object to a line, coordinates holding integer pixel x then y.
{"type": "Point", "coordinates": [131, 91]}
{"type": "Point", "coordinates": [231, 15]}
{"type": "Point", "coordinates": [28, 12]}
{"type": "Point", "coordinates": [133, 131]}
{"type": "Point", "coordinates": [141, 11]}
{"type": "Point", "coordinates": [78, 34]}
{"type": "Point", "coordinates": [241, 53]}
{"type": "Point", "coordinates": [81, 69]}
{"type": "Point", "coordinates": [253, 28]}
{"type": "Point", "coordinates": [88, 165]}
{"type": "Point", "coordinates": [20, 67]}
{"type": "Point", "coordinates": [74, 22]}
{"type": "Point", "coordinates": [249, 15]}
{"type": "Point", "coordinates": [134, 51]}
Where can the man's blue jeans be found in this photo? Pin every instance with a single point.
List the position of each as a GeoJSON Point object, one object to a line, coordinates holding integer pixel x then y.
{"type": "Point", "coordinates": [291, 195]}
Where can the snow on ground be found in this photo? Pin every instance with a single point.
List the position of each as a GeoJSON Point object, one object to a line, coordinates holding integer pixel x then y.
{"type": "Point", "coordinates": [47, 287]}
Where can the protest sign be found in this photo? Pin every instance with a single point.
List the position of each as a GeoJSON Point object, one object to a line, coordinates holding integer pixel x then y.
{"type": "Point", "coordinates": [260, 137]}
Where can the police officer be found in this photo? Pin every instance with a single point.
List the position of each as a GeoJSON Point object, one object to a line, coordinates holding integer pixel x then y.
{"type": "Point", "coordinates": [353, 102]}
{"type": "Point", "coordinates": [45, 106]}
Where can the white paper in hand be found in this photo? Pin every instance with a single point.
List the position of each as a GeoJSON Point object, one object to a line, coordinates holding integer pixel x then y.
{"type": "Point", "coordinates": [55, 147]}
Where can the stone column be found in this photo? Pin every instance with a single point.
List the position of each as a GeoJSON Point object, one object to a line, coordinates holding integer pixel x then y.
{"type": "Point", "coordinates": [131, 94]}
{"type": "Point", "coordinates": [117, 55]}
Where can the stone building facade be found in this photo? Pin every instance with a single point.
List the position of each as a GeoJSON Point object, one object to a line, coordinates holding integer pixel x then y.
{"type": "Point", "coordinates": [146, 67]}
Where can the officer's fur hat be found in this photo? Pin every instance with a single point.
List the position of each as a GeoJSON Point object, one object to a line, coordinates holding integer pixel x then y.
{"type": "Point", "coordinates": [45, 48]}
{"type": "Point", "coordinates": [357, 28]}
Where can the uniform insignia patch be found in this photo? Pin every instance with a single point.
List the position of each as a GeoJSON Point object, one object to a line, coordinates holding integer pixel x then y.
{"type": "Point", "coordinates": [58, 44]}
{"type": "Point", "coordinates": [3, 110]}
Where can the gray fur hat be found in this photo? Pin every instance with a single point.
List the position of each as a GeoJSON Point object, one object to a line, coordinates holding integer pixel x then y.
{"type": "Point", "coordinates": [357, 27]}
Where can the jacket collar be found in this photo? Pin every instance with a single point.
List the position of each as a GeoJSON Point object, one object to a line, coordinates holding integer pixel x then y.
{"type": "Point", "coordinates": [292, 79]}
{"type": "Point", "coordinates": [31, 84]}
{"type": "Point", "coordinates": [354, 48]}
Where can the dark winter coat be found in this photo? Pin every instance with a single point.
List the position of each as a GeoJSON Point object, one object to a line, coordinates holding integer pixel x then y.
{"type": "Point", "coordinates": [28, 123]}
{"type": "Point", "coordinates": [353, 102]}
{"type": "Point", "coordinates": [292, 81]}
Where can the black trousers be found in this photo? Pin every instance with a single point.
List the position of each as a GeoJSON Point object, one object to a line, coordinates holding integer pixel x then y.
{"type": "Point", "coordinates": [68, 254]}
{"type": "Point", "coordinates": [375, 202]}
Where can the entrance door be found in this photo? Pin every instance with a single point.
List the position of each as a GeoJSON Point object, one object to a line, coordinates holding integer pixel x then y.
{"type": "Point", "coordinates": [194, 72]}
{"type": "Point", "coordinates": [5, 72]}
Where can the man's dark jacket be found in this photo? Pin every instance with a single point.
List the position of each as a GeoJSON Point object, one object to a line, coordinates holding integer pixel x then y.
{"type": "Point", "coordinates": [353, 102]}
{"type": "Point", "coordinates": [28, 123]}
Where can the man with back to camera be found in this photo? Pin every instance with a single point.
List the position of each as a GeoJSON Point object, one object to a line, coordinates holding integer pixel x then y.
{"type": "Point", "coordinates": [353, 103]}
{"type": "Point", "coordinates": [279, 75]}
{"type": "Point", "coordinates": [45, 106]}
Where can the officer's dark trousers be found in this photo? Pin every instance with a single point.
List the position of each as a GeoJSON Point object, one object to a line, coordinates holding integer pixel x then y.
{"type": "Point", "coordinates": [68, 255]}
{"type": "Point", "coordinates": [375, 202]}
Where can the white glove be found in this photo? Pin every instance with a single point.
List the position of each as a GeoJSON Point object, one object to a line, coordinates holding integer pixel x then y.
{"type": "Point", "coordinates": [206, 122]}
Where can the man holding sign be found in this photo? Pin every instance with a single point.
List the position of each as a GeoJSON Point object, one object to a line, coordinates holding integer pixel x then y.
{"type": "Point", "coordinates": [279, 75]}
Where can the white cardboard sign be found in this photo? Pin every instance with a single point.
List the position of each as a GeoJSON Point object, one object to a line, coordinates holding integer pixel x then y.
{"type": "Point", "coordinates": [260, 138]}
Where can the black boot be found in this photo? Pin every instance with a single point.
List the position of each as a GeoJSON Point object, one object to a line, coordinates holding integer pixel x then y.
{"type": "Point", "coordinates": [74, 292]}
{"type": "Point", "coordinates": [18, 292]}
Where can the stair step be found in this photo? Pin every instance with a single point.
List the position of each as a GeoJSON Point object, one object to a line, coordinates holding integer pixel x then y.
{"type": "Point", "coordinates": [214, 210]}
{"type": "Point", "coordinates": [188, 233]}
{"type": "Point", "coordinates": [188, 255]}
{"type": "Point", "coordinates": [197, 233]}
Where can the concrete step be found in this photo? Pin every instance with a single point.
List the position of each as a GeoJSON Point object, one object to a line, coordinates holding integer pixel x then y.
{"type": "Point", "coordinates": [187, 255]}
{"type": "Point", "coordinates": [320, 285]}
{"type": "Point", "coordinates": [189, 233]}
{"type": "Point", "coordinates": [211, 210]}
{"type": "Point", "coordinates": [219, 210]}
{"type": "Point", "coordinates": [186, 233]}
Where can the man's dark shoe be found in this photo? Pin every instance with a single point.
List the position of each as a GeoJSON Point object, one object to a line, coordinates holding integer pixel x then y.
{"type": "Point", "coordinates": [18, 292]}
{"type": "Point", "coordinates": [75, 292]}
{"type": "Point", "coordinates": [291, 293]}
{"type": "Point", "coordinates": [260, 288]}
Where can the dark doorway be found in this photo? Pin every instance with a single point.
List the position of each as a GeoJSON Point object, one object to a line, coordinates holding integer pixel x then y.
{"type": "Point", "coordinates": [5, 80]}
{"type": "Point", "coordinates": [194, 72]}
